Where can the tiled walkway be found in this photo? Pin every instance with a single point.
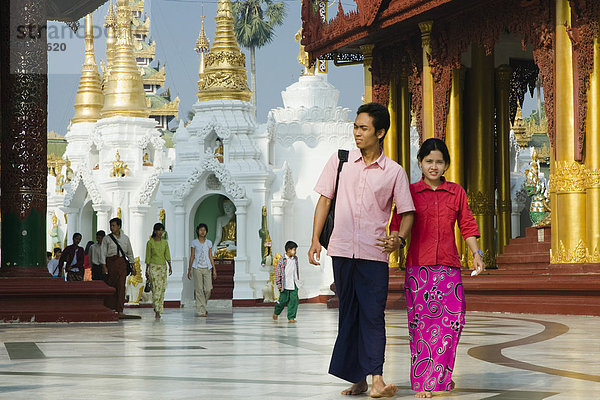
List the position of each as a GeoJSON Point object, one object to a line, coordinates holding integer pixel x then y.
{"type": "Point", "coordinates": [246, 355]}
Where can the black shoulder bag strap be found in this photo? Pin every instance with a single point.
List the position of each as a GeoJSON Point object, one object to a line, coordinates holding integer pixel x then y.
{"type": "Point", "coordinates": [343, 157]}
{"type": "Point", "coordinates": [119, 249]}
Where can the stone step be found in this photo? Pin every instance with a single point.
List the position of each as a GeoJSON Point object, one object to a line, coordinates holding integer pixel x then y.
{"type": "Point", "coordinates": [508, 258]}
{"type": "Point", "coordinates": [527, 248]}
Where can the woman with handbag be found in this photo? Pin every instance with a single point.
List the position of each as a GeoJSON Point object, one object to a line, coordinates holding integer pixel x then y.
{"type": "Point", "coordinates": [116, 256]}
{"type": "Point", "coordinates": [157, 258]}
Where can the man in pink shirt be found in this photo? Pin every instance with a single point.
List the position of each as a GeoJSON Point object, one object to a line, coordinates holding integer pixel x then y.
{"type": "Point", "coordinates": [369, 182]}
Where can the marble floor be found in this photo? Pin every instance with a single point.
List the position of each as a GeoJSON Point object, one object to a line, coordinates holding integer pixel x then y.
{"type": "Point", "coordinates": [244, 354]}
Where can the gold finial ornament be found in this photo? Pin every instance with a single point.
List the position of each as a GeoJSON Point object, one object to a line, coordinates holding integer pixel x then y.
{"type": "Point", "coordinates": [110, 23]}
{"type": "Point", "coordinates": [225, 69]}
{"type": "Point", "coordinates": [124, 89]}
{"type": "Point", "coordinates": [303, 56]}
{"type": "Point", "coordinates": [89, 99]}
{"type": "Point", "coordinates": [202, 48]}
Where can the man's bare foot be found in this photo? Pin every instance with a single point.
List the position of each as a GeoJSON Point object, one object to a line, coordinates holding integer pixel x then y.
{"type": "Point", "coordinates": [424, 395]}
{"type": "Point", "coordinates": [356, 389]}
{"type": "Point", "coordinates": [292, 321]}
{"type": "Point", "coordinates": [275, 316]}
{"type": "Point", "coordinates": [380, 389]}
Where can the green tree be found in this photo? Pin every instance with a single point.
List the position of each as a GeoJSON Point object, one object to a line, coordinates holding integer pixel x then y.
{"type": "Point", "coordinates": [254, 26]}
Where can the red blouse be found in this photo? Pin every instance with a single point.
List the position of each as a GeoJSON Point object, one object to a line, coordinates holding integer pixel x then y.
{"type": "Point", "coordinates": [437, 211]}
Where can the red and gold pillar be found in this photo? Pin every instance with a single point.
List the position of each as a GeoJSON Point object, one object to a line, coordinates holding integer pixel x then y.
{"type": "Point", "coordinates": [427, 81]}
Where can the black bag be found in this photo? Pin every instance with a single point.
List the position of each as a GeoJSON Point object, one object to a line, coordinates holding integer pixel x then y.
{"type": "Point", "coordinates": [119, 249]}
{"type": "Point", "coordinates": [328, 226]}
{"type": "Point", "coordinates": [148, 287]}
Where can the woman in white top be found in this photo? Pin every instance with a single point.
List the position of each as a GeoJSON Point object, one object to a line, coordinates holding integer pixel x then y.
{"type": "Point", "coordinates": [201, 264]}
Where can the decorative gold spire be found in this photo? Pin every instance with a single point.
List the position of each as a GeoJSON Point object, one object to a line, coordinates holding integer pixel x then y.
{"type": "Point", "coordinates": [110, 22]}
{"type": "Point", "coordinates": [202, 47]}
{"type": "Point", "coordinates": [225, 69]}
{"type": "Point", "coordinates": [124, 90]}
{"type": "Point", "coordinates": [89, 98]}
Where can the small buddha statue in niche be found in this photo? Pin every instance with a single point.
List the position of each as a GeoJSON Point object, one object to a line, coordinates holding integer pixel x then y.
{"type": "Point", "coordinates": [146, 160]}
{"type": "Point", "coordinates": [219, 150]}
{"type": "Point", "coordinates": [225, 236]}
{"type": "Point", "coordinates": [120, 169]}
{"type": "Point", "coordinates": [68, 171]}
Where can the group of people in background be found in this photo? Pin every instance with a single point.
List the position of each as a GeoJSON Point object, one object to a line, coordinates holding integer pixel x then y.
{"type": "Point", "coordinates": [111, 259]}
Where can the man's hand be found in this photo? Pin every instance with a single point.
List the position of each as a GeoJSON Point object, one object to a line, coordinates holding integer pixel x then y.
{"type": "Point", "coordinates": [389, 243]}
{"type": "Point", "coordinates": [189, 273]}
{"type": "Point", "coordinates": [104, 269]}
{"type": "Point", "coordinates": [214, 274]}
{"type": "Point", "coordinates": [314, 253]}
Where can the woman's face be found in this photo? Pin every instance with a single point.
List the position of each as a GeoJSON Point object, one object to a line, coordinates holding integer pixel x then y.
{"type": "Point", "coordinates": [159, 233]}
{"type": "Point", "coordinates": [433, 166]}
{"type": "Point", "coordinates": [202, 232]}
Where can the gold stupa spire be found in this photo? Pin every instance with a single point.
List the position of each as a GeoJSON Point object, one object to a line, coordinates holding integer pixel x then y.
{"type": "Point", "coordinates": [89, 98]}
{"type": "Point", "coordinates": [123, 90]}
{"type": "Point", "coordinates": [225, 69]}
{"type": "Point", "coordinates": [110, 22]}
{"type": "Point", "coordinates": [202, 47]}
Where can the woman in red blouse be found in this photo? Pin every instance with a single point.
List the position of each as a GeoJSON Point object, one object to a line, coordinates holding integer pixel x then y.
{"type": "Point", "coordinates": [435, 298]}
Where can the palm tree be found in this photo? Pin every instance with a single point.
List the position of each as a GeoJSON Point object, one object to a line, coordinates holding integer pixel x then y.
{"type": "Point", "coordinates": [254, 25]}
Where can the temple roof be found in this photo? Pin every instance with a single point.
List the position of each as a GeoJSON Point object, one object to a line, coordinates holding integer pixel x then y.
{"type": "Point", "coordinates": [70, 10]}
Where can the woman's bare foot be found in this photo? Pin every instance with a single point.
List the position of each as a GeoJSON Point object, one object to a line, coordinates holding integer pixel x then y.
{"type": "Point", "coordinates": [292, 321]}
{"type": "Point", "coordinates": [156, 315]}
{"type": "Point", "coordinates": [452, 385]}
{"type": "Point", "coordinates": [356, 389]}
{"type": "Point", "coordinates": [423, 395]}
{"type": "Point", "coordinates": [380, 389]}
{"type": "Point", "coordinates": [275, 316]}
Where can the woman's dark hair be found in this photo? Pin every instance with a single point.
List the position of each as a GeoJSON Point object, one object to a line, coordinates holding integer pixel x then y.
{"type": "Point", "coordinates": [116, 220]}
{"type": "Point", "coordinates": [157, 227]}
{"type": "Point", "coordinates": [434, 144]}
{"type": "Point", "coordinates": [290, 245]}
{"type": "Point", "coordinates": [201, 225]}
{"type": "Point", "coordinates": [380, 115]}
{"type": "Point", "coordinates": [87, 246]}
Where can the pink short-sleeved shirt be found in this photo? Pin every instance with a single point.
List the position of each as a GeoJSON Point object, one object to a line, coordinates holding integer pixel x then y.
{"type": "Point", "coordinates": [364, 203]}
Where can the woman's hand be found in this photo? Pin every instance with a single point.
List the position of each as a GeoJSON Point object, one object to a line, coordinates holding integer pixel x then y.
{"type": "Point", "coordinates": [214, 274]}
{"type": "Point", "coordinates": [189, 273]}
{"type": "Point", "coordinates": [478, 264]}
{"type": "Point", "coordinates": [170, 270]}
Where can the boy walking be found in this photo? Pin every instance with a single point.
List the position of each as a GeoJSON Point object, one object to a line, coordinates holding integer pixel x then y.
{"type": "Point", "coordinates": [287, 279]}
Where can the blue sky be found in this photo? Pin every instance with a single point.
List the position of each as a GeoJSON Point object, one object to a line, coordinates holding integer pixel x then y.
{"type": "Point", "coordinates": [174, 26]}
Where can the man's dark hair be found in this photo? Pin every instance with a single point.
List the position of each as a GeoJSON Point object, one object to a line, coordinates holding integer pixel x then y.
{"type": "Point", "coordinates": [76, 234]}
{"type": "Point", "coordinates": [117, 221]}
{"type": "Point", "coordinates": [432, 144]}
{"type": "Point", "coordinates": [57, 250]}
{"type": "Point", "coordinates": [49, 254]}
{"type": "Point", "coordinates": [290, 245]}
{"type": "Point", "coordinates": [201, 225]}
{"type": "Point", "coordinates": [101, 233]}
{"type": "Point", "coordinates": [380, 115]}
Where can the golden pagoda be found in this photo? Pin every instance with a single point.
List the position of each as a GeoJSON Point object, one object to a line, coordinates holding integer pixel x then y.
{"type": "Point", "coordinates": [123, 89]}
{"type": "Point", "coordinates": [89, 99]}
{"type": "Point", "coordinates": [225, 69]}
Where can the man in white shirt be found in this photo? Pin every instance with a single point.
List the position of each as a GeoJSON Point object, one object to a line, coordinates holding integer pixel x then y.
{"type": "Point", "coordinates": [114, 265]}
{"type": "Point", "coordinates": [53, 266]}
{"type": "Point", "coordinates": [95, 254]}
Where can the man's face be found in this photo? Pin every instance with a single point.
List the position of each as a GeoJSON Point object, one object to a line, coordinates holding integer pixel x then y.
{"type": "Point", "coordinates": [291, 252]}
{"type": "Point", "coordinates": [114, 228]}
{"type": "Point", "coordinates": [76, 240]}
{"type": "Point", "coordinates": [99, 239]}
{"type": "Point", "coordinates": [364, 132]}
{"type": "Point", "coordinates": [58, 254]}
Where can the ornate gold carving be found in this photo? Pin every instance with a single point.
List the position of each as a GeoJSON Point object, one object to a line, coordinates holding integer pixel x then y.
{"type": "Point", "coordinates": [592, 178]}
{"type": "Point", "coordinates": [120, 169]}
{"type": "Point", "coordinates": [519, 127]}
{"type": "Point", "coordinates": [481, 203]}
{"type": "Point", "coordinates": [426, 28]}
{"type": "Point", "coordinates": [569, 256]}
{"type": "Point", "coordinates": [223, 75]}
{"type": "Point", "coordinates": [568, 177]}
{"type": "Point", "coordinates": [593, 257]}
